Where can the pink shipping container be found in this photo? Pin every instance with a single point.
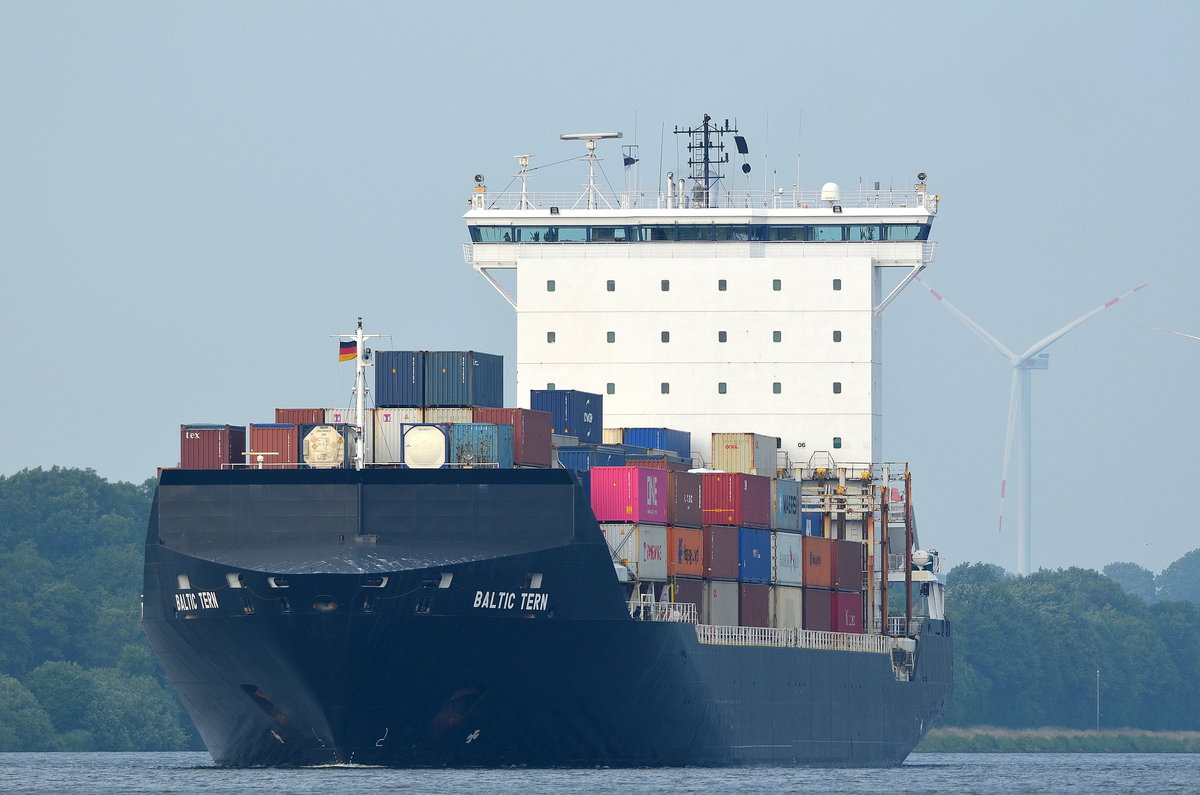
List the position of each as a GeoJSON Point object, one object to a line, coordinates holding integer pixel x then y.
{"type": "Point", "coordinates": [211, 446]}
{"type": "Point", "coordinates": [847, 612]}
{"type": "Point", "coordinates": [278, 444]}
{"type": "Point", "coordinates": [684, 498]}
{"type": "Point", "coordinates": [721, 552]}
{"type": "Point", "coordinates": [629, 494]}
{"type": "Point", "coordinates": [733, 498]}
{"type": "Point", "coordinates": [531, 433]}
{"type": "Point", "coordinates": [642, 548]}
{"type": "Point", "coordinates": [754, 605]}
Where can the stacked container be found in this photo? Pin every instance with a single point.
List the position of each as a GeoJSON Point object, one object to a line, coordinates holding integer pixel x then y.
{"type": "Point", "coordinates": [211, 446]}
{"type": "Point", "coordinates": [400, 379]}
{"type": "Point", "coordinates": [847, 604]}
{"type": "Point", "coordinates": [326, 446]}
{"type": "Point", "coordinates": [818, 583]}
{"type": "Point", "coordinates": [641, 548]}
{"type": "Point", "coordinates": [812, 523]}
{"type": "Point", "coordinates": [785, 504]}
{"type": "Point", "coordinates": [629, 494]}
{"type": "Point", "coordinates": [737, 499]}
{"type": "Point", "coordinates": [531, 433]}
{"type": "Point", "coordinates": [425, 446]}
{"type": "Point", "coordinates": [685, 492]}
{"type": "Point", "coordinates": [277, 443]}
{"type": "Point", "coordinates": [678, 442]}
{"type": "Point", "coordinates": [748, 453]}
{"type": "Point", "coordinates": [299, 416]}
{"type": "Point", "coordinates": [387, 447]}
{"type": "Point", "coordinates": [463, 378]}
{"type": "Point", "coordinates": [475, 444]}
{"type": "Point", "coordinates": [572, 412]}
{"type": "Point", "coordinates": [588, 456]}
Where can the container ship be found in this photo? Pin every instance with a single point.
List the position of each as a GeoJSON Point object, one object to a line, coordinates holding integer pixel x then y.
{"type": "Point", "coordinates": [682, 547]}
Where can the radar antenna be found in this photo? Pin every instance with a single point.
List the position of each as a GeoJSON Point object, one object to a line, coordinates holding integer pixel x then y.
{"type": "Point", "coordinates": [591, 190]}
{"type": "Point", "coordinates": [706, 155]}
{"type": "Point", "coordinates": [524, 176]}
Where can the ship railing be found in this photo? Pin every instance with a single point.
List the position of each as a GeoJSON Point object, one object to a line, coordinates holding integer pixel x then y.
{"type": "Point", "coordinates": [896, 627]}
{"type": "Point", "coordinates": [716, 199]}
{"type": "Point", "coordinates": [787, 637]}
{"type": "Point", "coordinates": [506, 255]}
{"type": "Point", "coordinates": [679, 612]}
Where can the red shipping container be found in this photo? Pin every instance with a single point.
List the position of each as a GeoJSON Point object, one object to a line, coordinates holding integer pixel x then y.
{"type": "Point", "coordinates": [689, 591]}
{"type": "Point", "coordinates": [629, 494]}
{"type": "Point", "coordinates": [732, 498]}
{"type": "Point", "coordinates": [720, 552]}
{"type": "Point", "coordinates": [211, 446]}
{"type": "Point", "coordinates": [278, 444]}
{"type": "Point", "coordinates": [847, 612]}
{"type": "Point", "coordinates": [848, 565]}
{"type": "Point", "coordinates": [300, 416]}
{"type": "Point", "coordinates": [754, 605]}
{"type": "Point", "coordinates": [531, 433]}
{"type": "Point", "coordinates": [684, 498]}
{"type": "Point", "coordinates": [818, 609]}
{"type": "Point", "coordinates": [818, 561]}
{"type": "Point", "coordinates": [685, 551]}
{"type": "Point", "coordinates": [656, 461]}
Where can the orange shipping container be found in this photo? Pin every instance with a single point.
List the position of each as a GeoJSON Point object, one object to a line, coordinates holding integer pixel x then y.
{"type": "Point", "coordinates": [818, 562]}
{"type": "Point", "coordinates": [685, 551]}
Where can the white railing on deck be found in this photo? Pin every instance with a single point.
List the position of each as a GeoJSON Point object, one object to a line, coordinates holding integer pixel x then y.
{"type": "Point", "coordinates": [681, 612]}
{"type": "Point", "coordinates": [884, 251]}
{"type": "Point", "coordinates": [793, 638]}
{"type": "Point", "coordinates": [896, 626]}
{"type": "Point", "coordinates": [717, 199]}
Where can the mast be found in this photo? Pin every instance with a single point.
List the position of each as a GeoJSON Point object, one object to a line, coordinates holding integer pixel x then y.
{"type": "Point", "coordinates": [361, 359]}
{"type": "Point", "coordinates": [706, 155]}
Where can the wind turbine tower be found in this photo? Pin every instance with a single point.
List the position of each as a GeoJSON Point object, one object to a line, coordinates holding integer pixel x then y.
{"type": "Point", "coordinates": [1019, 414]}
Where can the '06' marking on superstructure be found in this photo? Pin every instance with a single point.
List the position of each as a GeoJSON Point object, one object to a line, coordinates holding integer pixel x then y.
{"type": "Point", "coordinates": [189, 601]}
{"type": "Point", "coordinates": [506, 600]}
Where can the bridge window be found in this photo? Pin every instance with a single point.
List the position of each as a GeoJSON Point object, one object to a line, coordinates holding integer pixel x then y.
{"type": "Point", "coordinates": [731, 232]}
{"type": "Point", "coordinates": [828, 233]}
{"type": "Point", "coordinates": [650, 234]}
{"type": "Point", "coordinates": [907, 231]}
{"type": "Point", "coordinates": [695, 232]}
{"type": "Point", "coordinates": [491, 234]}
{"type": "Point", "coordinates": [610, 234]}
{"type": "Point", "coordinates": [863, 233]}
{"type": "Point", "coordinates": [787, 234]}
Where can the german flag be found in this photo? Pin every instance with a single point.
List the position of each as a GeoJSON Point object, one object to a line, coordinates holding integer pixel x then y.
{"type": "Point", "coordinates": [347, 351]}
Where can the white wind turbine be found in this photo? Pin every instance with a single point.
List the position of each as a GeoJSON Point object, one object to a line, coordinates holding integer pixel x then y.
{"type": "Point", "coordinates": [1019, 413]}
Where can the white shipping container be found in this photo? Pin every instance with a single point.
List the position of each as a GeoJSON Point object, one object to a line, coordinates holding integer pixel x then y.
{"type": "Point", "coordinates": [388, 447]}
{"type": "Point", "coordinates": [720, 603]}
{"type": "Point", "coordinates": [749, 453]}
{"type": "Point", "coordinates": [614, 436]}
{"type": "Point", "coordinates": [642, 548]}
{"type": "Point", "coordinates": [350, 416]}
{"type": "Point", "coordinates": [449, 415]}
{"type": "Point", "coordinates": [788, 559]}
{"type": "Point", "coordinates": [787, 606]}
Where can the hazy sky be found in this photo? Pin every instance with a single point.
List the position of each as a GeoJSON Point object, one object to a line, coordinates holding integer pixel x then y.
{"type": "Point", "coordinates": [194, 196]}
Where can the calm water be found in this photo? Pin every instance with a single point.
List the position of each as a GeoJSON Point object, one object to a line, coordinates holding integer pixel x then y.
{"type": "Point", "coordinates": [957, 773]}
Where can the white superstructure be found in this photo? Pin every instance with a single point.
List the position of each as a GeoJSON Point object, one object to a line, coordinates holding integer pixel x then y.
{"type": "Point", "coordinates": [706, 309]}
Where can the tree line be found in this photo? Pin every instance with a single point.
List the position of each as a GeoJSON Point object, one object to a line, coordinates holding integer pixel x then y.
{"type": "Point", "coordinates": [76, 672]}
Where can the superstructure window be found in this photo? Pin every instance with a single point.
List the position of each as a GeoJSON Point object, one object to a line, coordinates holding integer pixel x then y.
{"type": "Point", "coordinates": [722, 388]}
{"type": "Point", "coordinates": [611, 336]}
{"type": "Point", "coordinates": [777, 388]}
{"type": "Point", "coordinates": [651, 234]}
{"type": "Point", "coordinates": [549, 336]}
{"type": "Point", "coordinates": [837, 443]}
{"type": "Point", "coordinates": [837, 284]}
{"type": "Point", "coordinates": [550, 386]}
{"type": "Point", "coordinates": [610, 234]}
{"type": "Point", "coordinates": [550, 285]}
{"type": "Point", "coordinates": [695, 232]}
{"type": "Point", "coordinates": [611, 285]}
{"type": "Point", "coordinates": [821, 234]}
{"type": "Point", "coordinates": [665, 387]}
{"type": "Point", "coordinates": [776, 284]}
{"type": "Point", "coordinates": [776, 336]}
{"type": "Point", "coordinates": [666, 336]}
{"type": "Point", "coordinates": [610, 388]}
{"type": "Point", "coordinates": [491, 234]}
{"type": "Point", "coordinates": [721, 285]}
{"type": "Point", "coordinates": [722, 336]}
{"type": "Point", "coordinates": [837, 336]}
{"type": "Point", "coordinates": [666, 285]}
{"type": "Point", "coordinates": [864, 233]}
{"type": "Point", "coordinates": [907, 231]}
{"type": "Point", "coordinates": [731, 232]}
{"type": "Point", "coordinates": [837, 387]}
{"type": "Point", "coordinates": [788, 234]}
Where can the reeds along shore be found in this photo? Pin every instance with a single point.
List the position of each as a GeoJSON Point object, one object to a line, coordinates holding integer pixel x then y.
{"type": "Point", "coordinates": [983, 739]}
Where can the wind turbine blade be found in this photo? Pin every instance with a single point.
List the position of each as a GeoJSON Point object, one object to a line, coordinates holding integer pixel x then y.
{"type": "Point", "coordinates": [1014, 406]}
{"type": "Point", "coordinates": [971, 324]}
{"type": "Point", "coordinates": [1045, 342]}
{"type": "Point", "coordinates": [1168, 331]}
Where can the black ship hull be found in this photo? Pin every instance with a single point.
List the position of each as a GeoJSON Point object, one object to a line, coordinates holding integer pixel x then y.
{"type": "Point", "coordinates": [329, 617]}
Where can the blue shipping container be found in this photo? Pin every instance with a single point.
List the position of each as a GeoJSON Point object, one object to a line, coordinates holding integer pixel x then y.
{"type": "Point", "coordinates": [785, 504]}
{"type": "Point", "coordinates": [678, 442]}
{"type": "Point", "coordinates": [586, 457]}
{"type": "Point", "coordinates": [400, 379]}
{"type": "Point", "coordinates": [812, 524]}
{"type": "Point", "coordinates": [475, 444]}
{"type": "Point", "coordinates": [754, 555]}
{"type": "Point", "coordinates": [463, 378]}
{"type": "Point", "coordinates": [572, 412]}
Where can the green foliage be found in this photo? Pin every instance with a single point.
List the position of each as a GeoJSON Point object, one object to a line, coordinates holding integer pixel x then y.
{"type": "Point", "coordinates": [24, 725]}
{"type": "Point", "coordinates": [1134, 579]}
{"type": "Point", "coordinates": [133, 713]}
{"type": "Point", "coordinates": [1181, 580]}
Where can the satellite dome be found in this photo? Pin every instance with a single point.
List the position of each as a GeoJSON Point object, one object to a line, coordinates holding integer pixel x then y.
{"type": "Point", "coordinates": [830, 192]}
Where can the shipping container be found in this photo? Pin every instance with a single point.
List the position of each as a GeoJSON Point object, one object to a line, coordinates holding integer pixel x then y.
{"type": "Point", "coordinates": [818, 562]}
{"type": "Point", "coordinates": [350, 417]}
{"type": "Point", "coordinates": [787, 606]}
{"type": "Point", "coordinates": [631, 449]}
{"type": "Point", "coordinates": [789, 559]}
{"type": "Point", "coordinates": [299, 416]}
{"type": "Point", "coordinates": [736, 499]}
{"type": "Point", "coordinates": [688, 591]}
{"type": "Point", "coordinates": [848, 565]}
{"type": "Point", "coordinates": [629, 494]}
{"type": "Point", "coordinates": [442, 415]}
{"type": "Point", "coordinates": [425, 446]}
{"type": "Point", "coordinates": [463, 378]}
{"type": "Point", "coordinates": [812, 524]}
{"type": "Point", "coordinates": [327, 445]}
{"type": "Point", "coordinates": [668, 439]}
{"type": "Point", "coordinates": [572, 412]}
{"type": "Point", "coordinates": [660, 460]}
{"type": "Point", "coordinates": [641, 548]}
{"type": "Point", "coordinates": [388, 445]}
{"type": "Point", "coordinates": [531, 433]}
{"type": "Point", "coordinates": [613, 435]}
{"type": "Point", "coordinates": [818, 609]}
{"type": "Point", "coordinates": [588, 456]}
{"type": "Point", "coordinates": [754, 605]}
{"type": "Point", "coordinates": [748, 453]}
{"type": "Point", "coordinates": [278, 445]}
{"type": "Point", "coordinates": [400, 379]}
{"type": "Point", "coordinates": [211, 446]}
{"type": "Point", "coordinates": [847, 613]}
{"type": "Point", "coordinates": [685, 551]}
{"type": "Point", "coordinates": [720, 552]}
{"type": "Point", "coordinates": [785, 504]}
{"type": "Point", "coordinates": [754, 555]}
{"type": "Point", "coordinates": [481, 444]}
{"type": "Point", "coordinates": [720, 606]}
{"type": "Point", "coordinates": [684, 494]}
{"type": "Point", "coordinates": [560, 441]}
